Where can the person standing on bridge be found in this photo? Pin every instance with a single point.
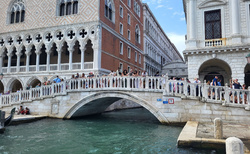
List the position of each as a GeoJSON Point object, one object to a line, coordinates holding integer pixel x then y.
{"type": "Point", "coordinates": [57, 79]}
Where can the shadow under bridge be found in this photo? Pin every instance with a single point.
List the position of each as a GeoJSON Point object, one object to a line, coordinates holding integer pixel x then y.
{"type": "Point", "coordinates": [98, 102]}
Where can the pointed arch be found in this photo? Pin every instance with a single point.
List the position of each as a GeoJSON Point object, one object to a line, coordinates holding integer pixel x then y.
{"type": "Point", "coordinates": [14, 84]}
{"type": "Point", "coordinates": [16, 12]}
{"type": "Point", "coordinates": [89, 52]}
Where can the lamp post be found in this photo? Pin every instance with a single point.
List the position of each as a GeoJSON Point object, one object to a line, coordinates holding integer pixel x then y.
{"type": "Point", "coordinates": [248, 58]}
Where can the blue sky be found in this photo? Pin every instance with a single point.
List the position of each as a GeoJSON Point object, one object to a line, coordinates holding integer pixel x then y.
{"type": "Point", "coordinates": [171, 17]}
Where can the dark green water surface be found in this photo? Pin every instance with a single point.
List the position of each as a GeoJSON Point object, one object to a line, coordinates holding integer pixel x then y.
{"type": "Point", "coordinates": [134, 131]}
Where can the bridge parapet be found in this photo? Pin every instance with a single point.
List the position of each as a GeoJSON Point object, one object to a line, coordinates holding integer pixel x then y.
{"type": "Point", "coordinates": [152, 84]}
{"type": "Point", "coordinates": [213, 94]}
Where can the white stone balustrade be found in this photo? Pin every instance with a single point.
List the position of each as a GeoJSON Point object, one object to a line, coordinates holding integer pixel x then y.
{"type": "Point", "coordinates": [206, 93]}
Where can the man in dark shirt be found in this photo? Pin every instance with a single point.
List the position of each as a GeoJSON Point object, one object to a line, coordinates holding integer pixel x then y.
{"type": "Point", "coordinates": [215, 81]}
{"type": "Point", "coordinates": [236, 84]}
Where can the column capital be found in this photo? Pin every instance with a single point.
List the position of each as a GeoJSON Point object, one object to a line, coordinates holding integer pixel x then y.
{"type": "Point", "coordinates": [18, 54]}
{"type": "Point", "coordinates": [9, 54]}
{"type": "Point", "coordinates": [38, 52]}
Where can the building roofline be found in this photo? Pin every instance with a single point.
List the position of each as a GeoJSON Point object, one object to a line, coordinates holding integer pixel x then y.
{"type": "Point", "coordinates": [156, 21]}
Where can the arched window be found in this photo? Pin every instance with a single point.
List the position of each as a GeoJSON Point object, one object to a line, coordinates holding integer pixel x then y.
{"type": "Point", "coordinates": [137, 34]}
{"type": "Point", "coordinates": [68, 7]}
{"type": "Point", "coordinates": [17, 12]}
{"type": "Point", "coordinates": [109, 10]}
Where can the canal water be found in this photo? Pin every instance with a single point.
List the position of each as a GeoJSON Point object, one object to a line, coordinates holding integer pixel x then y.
{"type": "Point", "coordinates": [133, 131]}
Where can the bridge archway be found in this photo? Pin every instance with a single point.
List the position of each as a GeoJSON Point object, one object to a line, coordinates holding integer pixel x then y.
{"type": "Point", "coordinates": [215, 67]}
{"type": "Point", "coordinates": [98, 102]}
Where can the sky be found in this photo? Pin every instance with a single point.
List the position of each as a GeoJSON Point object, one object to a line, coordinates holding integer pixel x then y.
{"type": "Point", "coordinates": [170, 15]}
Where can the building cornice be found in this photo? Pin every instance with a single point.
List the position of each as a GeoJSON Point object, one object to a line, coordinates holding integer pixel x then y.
{"type": "Point", "coordinates": [212, 50]}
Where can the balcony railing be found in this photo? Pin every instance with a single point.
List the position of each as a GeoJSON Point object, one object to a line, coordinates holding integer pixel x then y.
{"type": "Point", "coordinates": [215, 42]}
{"type": "Point", "coordinates": [53, 67]}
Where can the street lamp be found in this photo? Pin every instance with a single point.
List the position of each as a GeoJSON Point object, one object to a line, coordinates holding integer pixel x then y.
{"type": "Point", "coordinates": [1, 76]}
{"type": "Point", "coordinates": [248, 58]}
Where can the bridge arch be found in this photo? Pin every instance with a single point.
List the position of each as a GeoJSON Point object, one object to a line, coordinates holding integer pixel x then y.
{"type": "Point", "coordinates": [98, 102]}
{"type": "Point", "coordinates": [215, 67]}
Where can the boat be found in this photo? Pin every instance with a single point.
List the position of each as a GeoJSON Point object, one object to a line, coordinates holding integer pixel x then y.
{"type": "Point", "coordinates": [10, 117]}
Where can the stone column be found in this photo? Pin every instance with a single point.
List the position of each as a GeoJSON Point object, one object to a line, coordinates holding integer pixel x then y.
{"type": "Point", "coordinates": [192, 26]}
{"type": "Point", "coordinates": [97, 58]}
{"type": "Point", "coordinates": [18, 61]}
{"type": "Point", "coordinates": [27, 61]}
{"type": "Point", "coordinates": [48, 61]}
{"type": "Point", "coordinates": [234, 146]}
{"type": "Point", "coordinates": [82, 58]}
{"type": "Point", "coordinates": [37, 61]}
{"type": "Point", "coordinates": [218, 128]}
{"type": "Point", "coordinates": [191, 22]}
{"type": "Point", "coordinates": [9, 62]}
{"type": "Point", "coordinates": [235, 17]}
{"type": "Point", "coordinates": [235, 22]}
{"type": "Point", "coordinates": [70, 58]}
{"type": "Point", "coordinates": [59, 60]}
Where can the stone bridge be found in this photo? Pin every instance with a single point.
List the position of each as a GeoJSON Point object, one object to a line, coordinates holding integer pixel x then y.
{"type": "Point", "coordinates": [169, 101]}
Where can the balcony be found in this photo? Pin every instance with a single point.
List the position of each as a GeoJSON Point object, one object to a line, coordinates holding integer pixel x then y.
{"type": "Point", "coordinates": [53, 67]}
{"type": "Point", "coordinates": [215, 42]}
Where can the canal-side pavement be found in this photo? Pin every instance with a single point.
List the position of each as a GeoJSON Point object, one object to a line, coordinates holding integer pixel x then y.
{"type": "Point", "coordinates": [19, 119]}
{"type": "Point", "coordinates": [200, 135]}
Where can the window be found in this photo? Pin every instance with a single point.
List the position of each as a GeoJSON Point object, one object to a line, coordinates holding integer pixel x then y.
{"type": "Point", "coordinates": [68, 7]}
{"type": "Point", "coordinates": [213, 24]}
{"type": "Point", "coordinates": [137, 8]}
{"type": "Point", "coordinates": [129, 3]}
{"type": "Point", "coordinates": [121, 12]}
{"type": "Point", "coordinates": [128, 69]}
{"type": "Point", "coordinates": [139, 58]}
{"type": "Point", "coordinates": [129, 19]}
{"type": "Point", "coordinates": [17, 13]}
{"type": "Point", "coordinates": [121, 28]}
{"type": "Point", "coordinates": [129, 34]}
{"type": "Point", "coordinates": [121, 48]}
{"type": "Point", "coordinates": [129, 52]}
{"type": "Point", "coordinates": [109, 10]}
{"type": "Point", "coordinates": [121, 67]}
{"type": "Point", "coordinates": [135, 56]}
{"type": "Point", "coordinates": [137, 34]}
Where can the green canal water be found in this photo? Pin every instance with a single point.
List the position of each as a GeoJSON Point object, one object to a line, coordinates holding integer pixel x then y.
{"type": "Point", "coordinates": [133, 131]}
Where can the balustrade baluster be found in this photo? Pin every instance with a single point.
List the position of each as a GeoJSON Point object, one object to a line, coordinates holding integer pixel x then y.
{"type": "Point", "coordinates": [238, 97]}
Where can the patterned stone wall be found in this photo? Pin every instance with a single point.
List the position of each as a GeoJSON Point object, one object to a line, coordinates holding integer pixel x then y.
{"type": "Point", "coordinates": [42, 13]}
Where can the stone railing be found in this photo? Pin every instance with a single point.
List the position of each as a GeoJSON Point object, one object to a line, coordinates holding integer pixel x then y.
{"type": "Point", "coordinates": [203, 92]}
{"type": "Point", "coordinates": [52, 67]}
{"type": "Point", "coordinates": [215, 42]}
{"type": "Point", "coordinates": [84, 84]}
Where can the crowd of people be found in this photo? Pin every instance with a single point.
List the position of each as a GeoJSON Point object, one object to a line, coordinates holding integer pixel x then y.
{"type": "Point", "coordinates": [23, 111]}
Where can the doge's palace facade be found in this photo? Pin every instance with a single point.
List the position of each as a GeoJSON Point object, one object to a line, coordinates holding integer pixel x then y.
{"type": "Point", "coordinates": [218, 39]}
{"type": "Point", "coordinates": [40, 39]}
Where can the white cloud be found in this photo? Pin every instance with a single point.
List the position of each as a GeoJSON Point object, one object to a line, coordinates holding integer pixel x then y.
{"type": "Point", "coordinates": [159, 6]}
{"type": "Point", "coordinates": [178, 13]}
{"type": "Point", "coordinates": [183, 19]}
{"type": "Point", "coordinates": [178, 41]}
